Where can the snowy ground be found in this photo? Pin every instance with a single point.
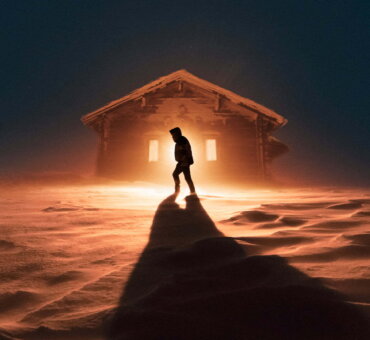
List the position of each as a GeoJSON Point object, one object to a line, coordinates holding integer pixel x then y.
{"type": "Point", "coordinates": [67, 252]}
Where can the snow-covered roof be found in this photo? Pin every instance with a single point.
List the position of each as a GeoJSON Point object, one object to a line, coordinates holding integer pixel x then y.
{"type": "Point", "coordinates": [186, 76]}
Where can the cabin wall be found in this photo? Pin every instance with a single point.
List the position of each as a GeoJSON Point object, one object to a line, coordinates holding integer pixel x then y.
{"type": "Point", "coordinates": [125, 132]}
{"type": "Point", "coordinates": [127, 152]}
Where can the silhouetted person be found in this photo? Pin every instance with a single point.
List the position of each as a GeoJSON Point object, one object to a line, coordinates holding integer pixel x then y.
{"type": "Point", "coordinates": [184, 158]}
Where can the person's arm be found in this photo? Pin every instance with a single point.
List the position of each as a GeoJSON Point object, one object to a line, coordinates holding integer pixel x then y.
{"type": "Point", "coordinates": [188, 150]}
{"type": "Point", "coordinates": [184, 155]}
{"type": "Point", "coordinates": [188, 154]}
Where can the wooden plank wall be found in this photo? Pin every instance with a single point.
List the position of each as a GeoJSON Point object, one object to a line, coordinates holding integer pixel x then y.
{"type": "Point", "coordinates": [123, 145]}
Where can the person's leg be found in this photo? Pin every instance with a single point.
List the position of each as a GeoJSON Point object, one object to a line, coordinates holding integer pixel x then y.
{"type": "Point", "coordinates": [176, 177]}
{"type": "Point", "coordinates": [188, 179]}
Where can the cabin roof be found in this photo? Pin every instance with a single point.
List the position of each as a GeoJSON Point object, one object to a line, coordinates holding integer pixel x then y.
{"type": "Point", "coordinates": [186, 76]}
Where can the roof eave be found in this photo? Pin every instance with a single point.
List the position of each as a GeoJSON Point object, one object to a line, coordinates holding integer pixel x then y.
{"type": "Point", "coordinates": [89, 118]}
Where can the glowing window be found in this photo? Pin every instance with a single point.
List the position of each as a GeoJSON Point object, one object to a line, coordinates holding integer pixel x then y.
{"type": "Point", "coordinates": [211, 150]}
{"type": "Point", "coordinates": [153, 150]}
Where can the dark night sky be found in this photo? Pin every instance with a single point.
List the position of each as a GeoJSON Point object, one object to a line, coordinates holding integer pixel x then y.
{"type": "Point", "coordinates": [307, 60]}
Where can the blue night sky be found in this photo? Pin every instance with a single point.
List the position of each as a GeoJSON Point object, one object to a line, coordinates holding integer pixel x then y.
{"type": "Point", "coordinates": [307, 60]}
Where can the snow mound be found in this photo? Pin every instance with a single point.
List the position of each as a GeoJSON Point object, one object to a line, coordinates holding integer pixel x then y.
{"type": "Point", "coordinates": [16, 300]}
{"type": "Point", "coordinates": [6, 245]}
{"type": "Point", "coordinates": [253, 216]}
{"type": "Point", "coordinates": [349, 206]}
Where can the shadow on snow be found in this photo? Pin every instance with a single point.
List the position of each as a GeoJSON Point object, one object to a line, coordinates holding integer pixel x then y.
{"type": "Point", "coordinates": [192, 282]}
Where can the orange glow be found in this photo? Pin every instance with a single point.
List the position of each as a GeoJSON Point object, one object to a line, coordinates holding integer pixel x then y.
{"type": "Point", "coordinates": [153, 150]}
{"type": "Point", "coordinates": [211, 150]}
{"type": "Point", "coordinates": [168, 159]}
{"type": "Point", "coordinates": [204, 154]}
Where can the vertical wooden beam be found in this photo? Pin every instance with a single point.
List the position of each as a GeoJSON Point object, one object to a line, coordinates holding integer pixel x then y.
{"type": "Point", "coordinates": [104, 130]}
{"type": "Point", "coordinates": [181, 86]}
{"type": "Point", "coordinates": [143, 101]}
{"type": "Point", "coordinates": [217, 102]}
{"type": "Point", "coordinates": [260, 142]}
{"type": "Point", "coordinates": [100, 156]}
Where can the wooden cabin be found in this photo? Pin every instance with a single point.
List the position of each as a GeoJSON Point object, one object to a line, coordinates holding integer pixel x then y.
{"type": "Point", "coordinates": [231, 136]}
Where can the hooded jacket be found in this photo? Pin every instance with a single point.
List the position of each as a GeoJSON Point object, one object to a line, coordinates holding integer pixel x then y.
{"type": "Point", "coordinates": [183, 154]}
